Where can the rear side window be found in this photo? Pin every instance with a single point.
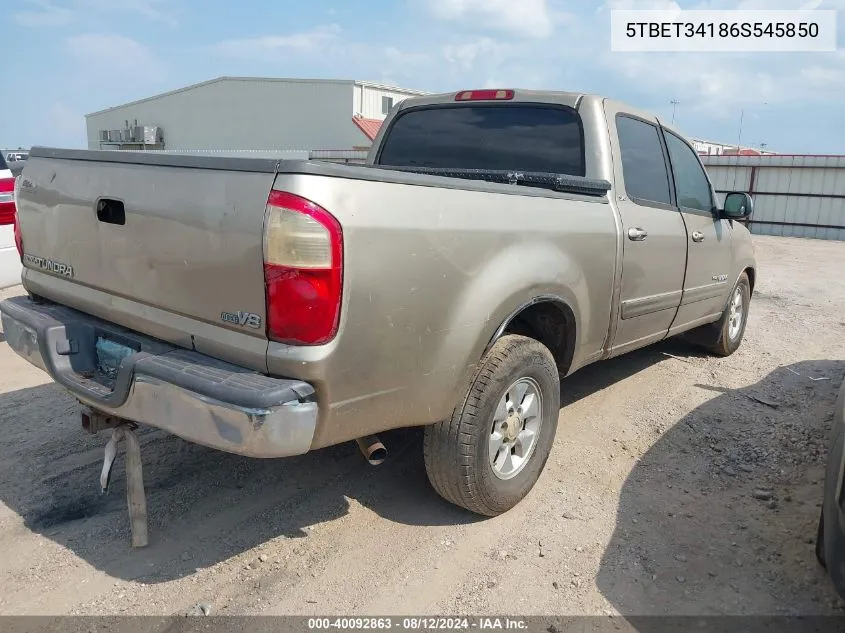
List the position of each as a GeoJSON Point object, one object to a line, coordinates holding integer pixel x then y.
{"type": "Point", "coordinates": [643, 164]}
{"type": "Point", "coordinates": [3, 162]}
{"type": "Point", "coordinates": [506, 137]}
{"type": "Point", "coordinates": [691, 182]}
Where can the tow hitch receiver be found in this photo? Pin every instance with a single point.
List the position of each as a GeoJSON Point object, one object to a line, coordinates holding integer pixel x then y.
{"type": "Point", "coordinates": [94, 421]}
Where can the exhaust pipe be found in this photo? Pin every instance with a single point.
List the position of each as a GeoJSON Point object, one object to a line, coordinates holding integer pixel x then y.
{"type": "Point", "coordinates": [373, 450]}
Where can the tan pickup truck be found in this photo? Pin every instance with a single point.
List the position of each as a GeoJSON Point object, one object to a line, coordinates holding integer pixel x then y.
{"type": "Point", "coordinates": [495, 242]}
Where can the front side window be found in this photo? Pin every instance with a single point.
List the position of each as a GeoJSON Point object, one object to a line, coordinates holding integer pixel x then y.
{"type": "Point", "coordinates": [525, 137]}
{"type": "Point", "coordinates": [643, 164]}
{"type": "Point", "coordinates": [691, 184]}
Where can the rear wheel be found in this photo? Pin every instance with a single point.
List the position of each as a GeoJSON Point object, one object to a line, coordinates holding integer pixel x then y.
{"type": "Point", "coordinates": [830, 499]}
{"type": "Point", "coordinates": [490, 453]}
{"type": "Point", "coordinates": [724, 337]}
{"type": "Point", "coordinates": [820, 555]}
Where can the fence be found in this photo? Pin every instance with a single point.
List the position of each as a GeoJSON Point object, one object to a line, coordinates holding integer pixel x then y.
{"type": "Point", "coordinates": [794, 195]}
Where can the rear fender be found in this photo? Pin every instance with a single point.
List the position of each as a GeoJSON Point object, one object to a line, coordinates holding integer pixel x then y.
{"type": "Point", "coordinates": [513, 279]}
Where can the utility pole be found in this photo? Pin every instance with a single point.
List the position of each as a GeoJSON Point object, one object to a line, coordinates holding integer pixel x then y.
{"type": "Point", "coordinates": [739, 140]}
{"type": "Point", "coordinates": [674, 103]}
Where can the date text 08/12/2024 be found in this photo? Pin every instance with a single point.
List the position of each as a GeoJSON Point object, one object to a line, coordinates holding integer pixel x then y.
{"type": "Point", "coordinates": [418, 623]}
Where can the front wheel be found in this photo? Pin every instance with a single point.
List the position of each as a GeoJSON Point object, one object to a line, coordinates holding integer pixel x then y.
{"type": "Point", "coordinates": [487, 457]}
{"type": "Point", "coordinates": [723, 337]}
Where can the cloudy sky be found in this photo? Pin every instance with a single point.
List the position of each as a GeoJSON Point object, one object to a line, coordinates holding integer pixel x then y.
{"type": "Point", "coordinates": [64, 58]}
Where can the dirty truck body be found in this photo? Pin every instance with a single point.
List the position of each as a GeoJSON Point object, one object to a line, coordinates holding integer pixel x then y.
{"type": "Point", "coordinates": [269, 308]}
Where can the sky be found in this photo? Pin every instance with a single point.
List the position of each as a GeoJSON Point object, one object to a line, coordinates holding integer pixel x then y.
{"type": "Point", "coordinates": [65, 58]}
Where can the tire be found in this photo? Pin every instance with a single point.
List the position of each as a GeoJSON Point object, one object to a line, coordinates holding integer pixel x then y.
{"type": "Point", "coordinates": [829, 499]}
{"type": "Point", "coordinates": [723, 338]}
{"type": "Point", "coordinates": [457, 450]}
{"type": "Point", "coordinates": [820, 554]}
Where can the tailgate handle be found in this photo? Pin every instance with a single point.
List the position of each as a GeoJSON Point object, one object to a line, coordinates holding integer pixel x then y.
{"type": "Point", "coordinates": [111, 211]}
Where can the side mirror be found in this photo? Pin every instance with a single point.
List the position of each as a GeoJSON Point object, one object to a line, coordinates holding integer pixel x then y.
{"type": "Point", "coordinates": [738, 206]}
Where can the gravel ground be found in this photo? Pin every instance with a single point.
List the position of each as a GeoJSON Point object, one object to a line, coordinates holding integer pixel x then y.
{"type": "Point", "coordinates": [648, 504]}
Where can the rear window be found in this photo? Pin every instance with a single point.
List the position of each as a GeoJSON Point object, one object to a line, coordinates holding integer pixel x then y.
{"type": "Point", "coordinates": [3, 162]}
{"type": "Point", "coordinates": [506, 137]}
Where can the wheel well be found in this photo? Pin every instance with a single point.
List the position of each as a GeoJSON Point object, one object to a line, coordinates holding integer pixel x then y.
{"type": "Point", "coordinates": [751, 277]}
{"type": "Point", "coordinates": [553, 324]}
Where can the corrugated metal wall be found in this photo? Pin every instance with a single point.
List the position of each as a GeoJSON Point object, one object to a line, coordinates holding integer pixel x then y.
{"type": "Point", "coordinates": [233, 113]}
{"type": "Point", "coordinates": [794, 196]}
{"type": "Point", "coordinates": [368, 100]}
{"type": "Point", "coordinates": [348, 157]}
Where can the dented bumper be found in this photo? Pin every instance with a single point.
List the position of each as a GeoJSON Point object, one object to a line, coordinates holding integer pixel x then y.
{"type": "Point", "coordinates": [138, 378]}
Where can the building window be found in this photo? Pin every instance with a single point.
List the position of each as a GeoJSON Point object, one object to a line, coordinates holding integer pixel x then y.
{"type": "Point", "coordinates": [386, 104]}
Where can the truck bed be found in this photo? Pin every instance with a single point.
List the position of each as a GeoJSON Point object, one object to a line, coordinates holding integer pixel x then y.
{"type": "Point", "coordinates": [420, 253]}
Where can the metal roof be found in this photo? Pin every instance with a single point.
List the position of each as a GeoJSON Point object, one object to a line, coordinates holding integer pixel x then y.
{"type": "Point", "coordinates": [369, 127]}
{"type": "Point", "coordinates": [353, 82]}
{"type": "Point", "coordinates": [776, 160]}
{"type": "Point", "coordinates": [388, 87]}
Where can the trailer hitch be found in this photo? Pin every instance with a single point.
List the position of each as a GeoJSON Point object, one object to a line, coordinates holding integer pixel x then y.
{"type": "Point", "coordinates": [94, 421]}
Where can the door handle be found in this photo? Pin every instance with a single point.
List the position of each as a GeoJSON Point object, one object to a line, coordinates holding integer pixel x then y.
{"type": "Point", "coordinates": [697, 236]}
{"type": "Point", "coordinates": [637, 234]}
{"type": "Point", "coordinates": [111, 211]}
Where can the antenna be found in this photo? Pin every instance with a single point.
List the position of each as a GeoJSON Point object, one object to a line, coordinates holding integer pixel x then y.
{"type": "Point", "coordinates": [674, 103]}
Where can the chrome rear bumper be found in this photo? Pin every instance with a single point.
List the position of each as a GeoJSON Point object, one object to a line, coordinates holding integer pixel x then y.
{"type": "Point", "coordinates": [199, 398]}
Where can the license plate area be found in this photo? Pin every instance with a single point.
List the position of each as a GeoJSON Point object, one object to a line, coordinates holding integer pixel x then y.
{"type": "Point", "coordinates": [110, 351]}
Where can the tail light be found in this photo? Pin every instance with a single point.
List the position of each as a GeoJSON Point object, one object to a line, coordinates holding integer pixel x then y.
{"type": "Point", "coordinates": [17, 221]}
{"type": "Point", "coordinates": [485, 95]}
{"type": "Point", "coordinates": [303, 270]}
{"type": "Point", "coordinates": [7, 201]}
{"type": "Point", "coordinates": [18, 237]}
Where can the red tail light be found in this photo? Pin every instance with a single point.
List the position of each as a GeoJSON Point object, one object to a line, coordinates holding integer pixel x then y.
{"type": "Point", "coordinates": [303, 270]}
{"type": "Point", "coordinates": [485, 95]}
{"type": "Point", "coordinates": [7, 201]}
{"type": "Point", "coordinates": [18, 237]}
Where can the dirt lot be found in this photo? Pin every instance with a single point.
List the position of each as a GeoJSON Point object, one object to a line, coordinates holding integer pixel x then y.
{"type": "Point", "coordinates": [645, 506]}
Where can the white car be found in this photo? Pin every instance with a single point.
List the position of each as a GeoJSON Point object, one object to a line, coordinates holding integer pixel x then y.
{"type": "Point", "coordinates": [10, 257]}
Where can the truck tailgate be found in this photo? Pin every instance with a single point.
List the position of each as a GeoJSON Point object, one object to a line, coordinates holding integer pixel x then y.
{"type": "Point", "coordinates": [170, 251]}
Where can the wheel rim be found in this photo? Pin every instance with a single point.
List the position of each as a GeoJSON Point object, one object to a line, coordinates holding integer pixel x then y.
{"type": "Point", "coordinates": [516, 428]}
{"type": "Point", "coordinates": [736, 314]}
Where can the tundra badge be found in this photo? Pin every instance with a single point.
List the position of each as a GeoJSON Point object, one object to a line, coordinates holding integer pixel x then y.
{"type": "Point", "coordinates": [242, 318]}
{"type": "Point", "coordinates": [48, 265]}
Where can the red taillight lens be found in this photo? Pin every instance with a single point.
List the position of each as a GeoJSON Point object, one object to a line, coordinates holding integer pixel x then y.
{"type": "Point", "coordinates": [485, 95]}
{"type": "Point", "coordinates": [18, 237]}
{"type": "Point", "coordinates": [7, 201]}
{"type": "Point", "coordinates": [303, 270]}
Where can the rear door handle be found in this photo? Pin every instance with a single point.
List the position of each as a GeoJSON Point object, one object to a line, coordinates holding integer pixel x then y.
{"type": "Point", "coordinates": [637, 234]}
{"type": "Point", "coordinates": [697, 236]}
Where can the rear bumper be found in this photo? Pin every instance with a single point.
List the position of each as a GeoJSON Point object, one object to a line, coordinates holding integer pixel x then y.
{"type": "Point", "coordinates": [196, 397]}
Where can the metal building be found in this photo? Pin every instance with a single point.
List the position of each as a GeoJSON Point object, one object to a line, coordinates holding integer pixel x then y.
{"type": "Point", "coordinates": [712, 148]}
{"type": "Point", "coordinates": [794, 195]}
{"type": "Point", "coordinates": [248, 113]}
